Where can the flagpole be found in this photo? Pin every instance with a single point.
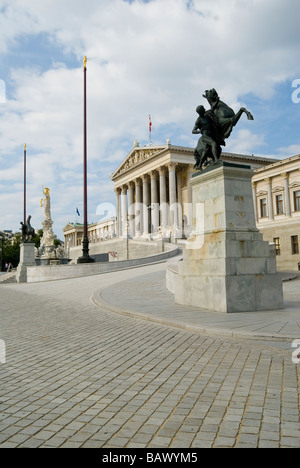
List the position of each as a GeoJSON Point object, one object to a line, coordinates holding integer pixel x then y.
{"type": "Point", "coordinates": [150, 125]}
{"type": "Point", "coordinates": [85, 243]}
{"type": "Point", "coordinates": [24, 215]}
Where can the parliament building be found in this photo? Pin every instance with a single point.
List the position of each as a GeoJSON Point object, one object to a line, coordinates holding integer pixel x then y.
{"type": "Point", "coordinates": [154, 199]}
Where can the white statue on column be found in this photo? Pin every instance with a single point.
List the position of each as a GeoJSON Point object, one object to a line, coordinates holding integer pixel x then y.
{"type": "Point", "coordinates": [48, 252]}
{"type": "Point", "coordinates": [47, 248]}
{"type": "Point", "coordinates": [47, 213]}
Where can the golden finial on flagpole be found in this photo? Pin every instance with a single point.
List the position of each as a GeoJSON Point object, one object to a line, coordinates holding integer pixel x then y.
{"type": "Point", "coordinates": [84, 61]}
{"type": "Point", "coordinates": [25, 146]}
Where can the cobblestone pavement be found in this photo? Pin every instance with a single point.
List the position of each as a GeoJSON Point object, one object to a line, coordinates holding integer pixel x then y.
{"type": "Point", "coordinates": [146, 296]}
{"type": "Point", "coordinates": [79, 376]}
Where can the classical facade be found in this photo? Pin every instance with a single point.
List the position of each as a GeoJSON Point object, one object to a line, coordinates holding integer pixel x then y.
{"type": "Point", "coordinates": [276, 191]}
{"type": "Point", "coordinates": [97, 232]}
{"type": "Point", "coordinates": [154, 198]}
{"type": "Point", "coordinates": [153, 191]}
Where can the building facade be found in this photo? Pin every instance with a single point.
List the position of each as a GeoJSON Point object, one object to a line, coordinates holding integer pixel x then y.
{"type": "Point", "coordinates": [97, 232]}
{"type": "Point", "coordinates": [154, 200]}
{"type": "Point", "coordinates": [153, 191]}
{"type": "Point", "coordinates": [276, 194]}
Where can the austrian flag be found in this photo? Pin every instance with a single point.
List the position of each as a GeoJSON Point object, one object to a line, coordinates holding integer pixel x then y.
{"type": "Point", "coordinates": [150, 123]}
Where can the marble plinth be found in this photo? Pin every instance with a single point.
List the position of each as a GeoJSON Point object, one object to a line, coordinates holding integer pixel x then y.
{"type": "Point", "coordinates": [227, 266]}
{"type": "Point", "coordinates": [27, 258]}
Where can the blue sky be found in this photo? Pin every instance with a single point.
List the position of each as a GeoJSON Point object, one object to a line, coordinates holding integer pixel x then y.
{"type": "Point", "coordinates": [155, 57]}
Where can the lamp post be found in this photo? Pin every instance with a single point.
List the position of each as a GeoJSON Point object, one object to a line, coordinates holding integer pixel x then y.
{"type": "Point", "coordinates": [85, 243]}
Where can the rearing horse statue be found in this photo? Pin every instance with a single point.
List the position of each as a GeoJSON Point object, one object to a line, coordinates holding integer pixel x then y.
{"type": "Point", "coordinates": [225, 117]}
{"type": "Point", "coordinates": [28, 232]}
{"type": "Point", "coordinates": [215, 125]}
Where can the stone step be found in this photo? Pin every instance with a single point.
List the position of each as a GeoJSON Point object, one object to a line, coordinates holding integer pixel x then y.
{"type": "Point", "coordinates": [8, 278]}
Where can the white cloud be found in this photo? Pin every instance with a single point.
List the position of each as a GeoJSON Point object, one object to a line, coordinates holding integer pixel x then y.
{"type": "Point", "coordinates": [2, 92]}
{"type": "Point", "coordinates": [156, 57]}
{"type": "Point", "coordinates": [244, 142]}
{"type": "Point", "coordinates": [289, 151]}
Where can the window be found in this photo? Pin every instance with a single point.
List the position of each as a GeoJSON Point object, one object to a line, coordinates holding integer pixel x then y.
{"type": "Point", "coordinates": [297, 200]}
{"type": "Point", "coordinates": [263, 208]}
{"type": "Point", "coordinates": [277, 245]}
{"type": "Point", "coordinates": [295, 245]}
{"type": "Point", "coordinates": [279, 204]}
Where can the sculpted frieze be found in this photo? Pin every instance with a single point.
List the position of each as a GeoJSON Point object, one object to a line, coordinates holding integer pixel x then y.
{"type": "Point", "coordinates": [136, 158]}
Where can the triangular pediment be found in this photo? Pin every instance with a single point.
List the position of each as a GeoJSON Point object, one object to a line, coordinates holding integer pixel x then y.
{"type": "Point", "coordinates": [136, 157]}
{"type": "Point", "coordinates": [71, 226]}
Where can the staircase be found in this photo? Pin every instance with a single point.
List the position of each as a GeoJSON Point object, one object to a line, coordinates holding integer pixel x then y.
{"type": "Point", "coordinates": [8, 278]}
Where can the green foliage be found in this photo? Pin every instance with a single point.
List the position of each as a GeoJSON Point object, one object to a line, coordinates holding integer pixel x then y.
{"type": "Point", "coordinates": [12, 250]}
{"type": "Point", "coordinates": [12, 247]}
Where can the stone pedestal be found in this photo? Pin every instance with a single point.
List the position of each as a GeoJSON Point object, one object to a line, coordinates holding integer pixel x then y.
{"type": "Point", "coordinates": [27, 258]}
{"type": "Point", "coordinates": [227, 266]}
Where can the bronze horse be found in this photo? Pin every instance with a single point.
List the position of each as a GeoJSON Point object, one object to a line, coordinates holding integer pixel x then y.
{"type": "Point", "coordinates": [223, 116]}
{"type": "Point", "coordinates": [215, 125]}
{"type": "Point", "coordinates": [28, 232]}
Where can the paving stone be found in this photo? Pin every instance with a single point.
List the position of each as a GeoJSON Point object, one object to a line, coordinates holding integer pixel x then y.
{"type": "Point", "coordinates": [224, 442]}
{"type": "Point", "coordinates": [80, 376]}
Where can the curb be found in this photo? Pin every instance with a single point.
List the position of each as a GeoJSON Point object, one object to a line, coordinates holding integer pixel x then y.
{"type": "Point", "coordinates": [225, 333]}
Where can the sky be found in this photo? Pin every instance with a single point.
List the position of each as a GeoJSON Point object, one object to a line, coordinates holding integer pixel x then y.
{"type": "Point", "coordinates": [154, 57]}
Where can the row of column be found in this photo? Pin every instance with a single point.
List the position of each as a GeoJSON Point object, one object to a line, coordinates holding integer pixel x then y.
{"type": "Point", "coordinates": [149, 209]}
{"type": "Point", "coordinates": [287, 198]}
{"type": "Point", "coordinates": [104, 233]}
{"type": "Point", "coordinates": [71, 239]}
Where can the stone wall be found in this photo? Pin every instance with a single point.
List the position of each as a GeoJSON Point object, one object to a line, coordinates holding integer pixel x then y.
{"type": "Point", "coordinates": [59, 272]}
{"type": "Point", "coordinates": [127, 249]}
{"type": "Point", "coordinates": [286, 261]}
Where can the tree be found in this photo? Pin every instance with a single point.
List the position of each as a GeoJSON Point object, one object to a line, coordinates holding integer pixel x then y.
{"type": "Point", "coordinates": [12, 250]}
{"type": "Point", "coordinates": [12, 247]}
